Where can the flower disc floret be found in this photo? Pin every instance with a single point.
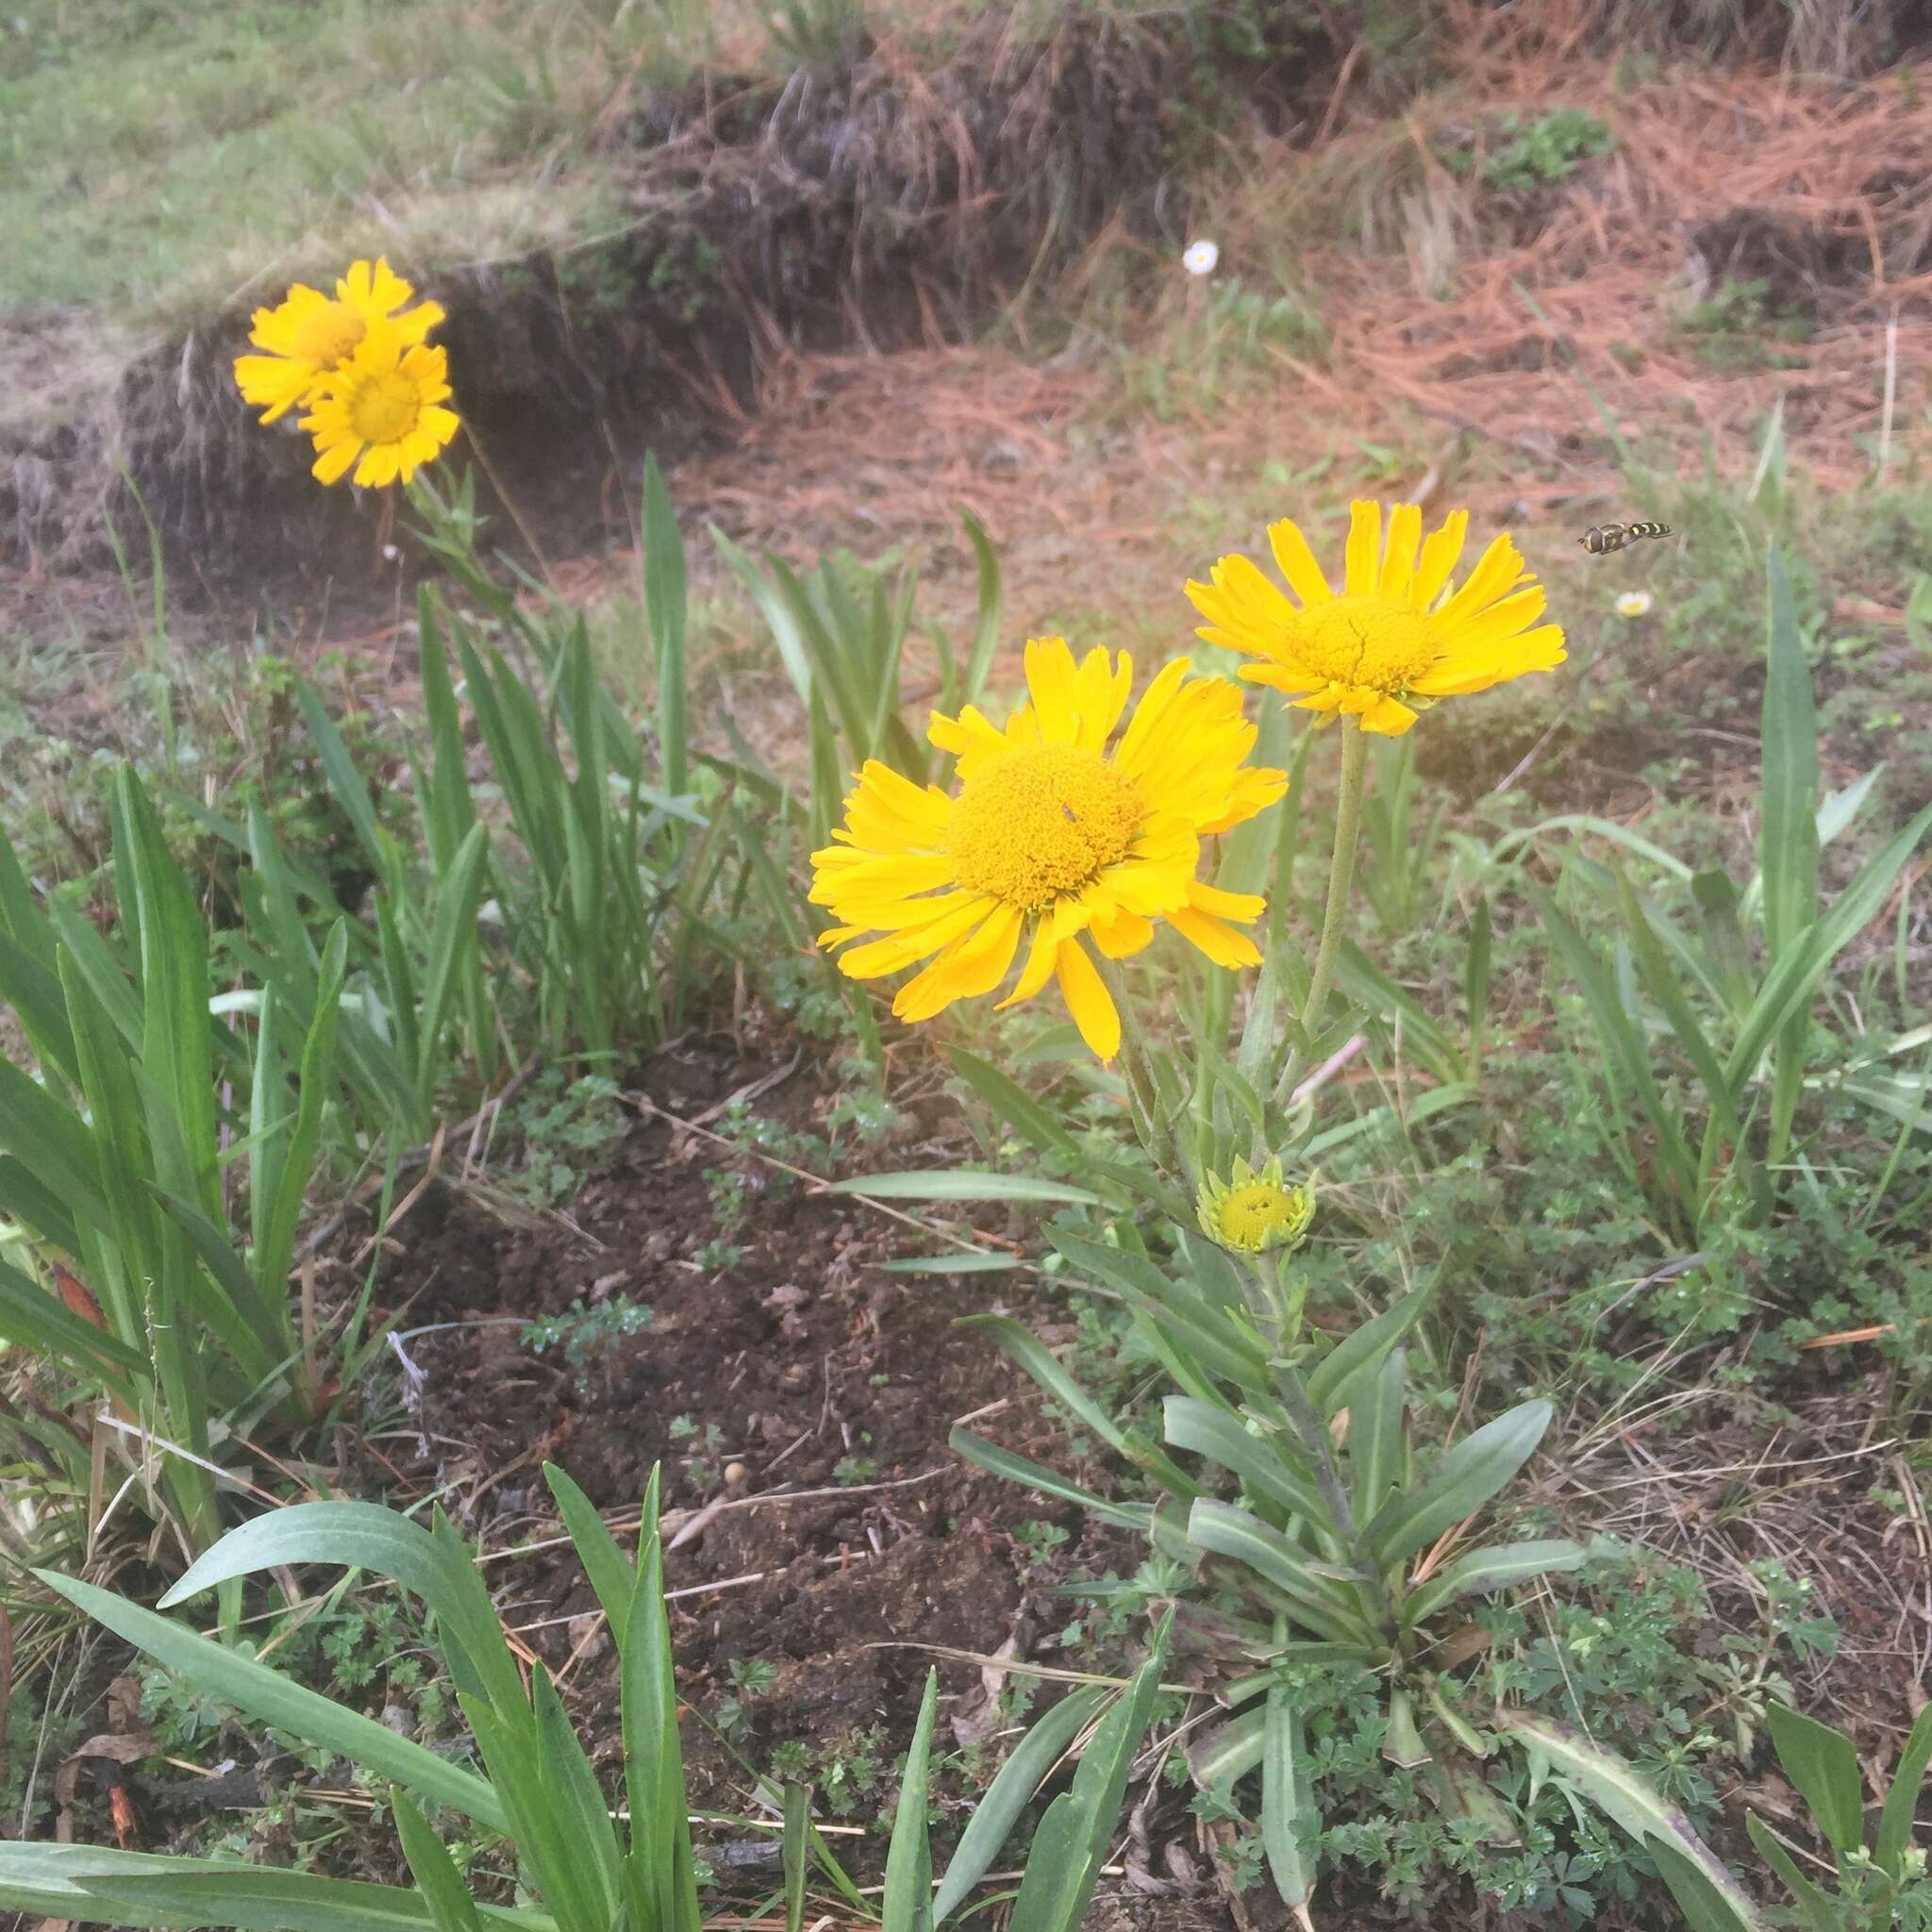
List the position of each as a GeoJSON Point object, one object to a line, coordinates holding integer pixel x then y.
{"type": "Point", "coordinates": [1395, 638]}
{"type": "Point", "coordinates": [1062, 838]}
{"type": "Point", "coordinates": [1041, 824]}
{"type": "Point", "coordinates": [1253, 1212]}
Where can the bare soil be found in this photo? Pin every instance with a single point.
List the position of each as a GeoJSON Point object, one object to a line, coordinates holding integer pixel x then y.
{"type": "Point", "coordinates": [847, 1537]}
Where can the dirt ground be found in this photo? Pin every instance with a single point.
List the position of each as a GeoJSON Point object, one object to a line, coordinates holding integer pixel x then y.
{"type": "Point", "coordinates": [829, 1532]}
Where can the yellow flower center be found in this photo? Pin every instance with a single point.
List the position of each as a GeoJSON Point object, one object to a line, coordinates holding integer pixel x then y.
{"type": "Point", "coordinates": [384, 408]}
{"type": "Point", "coordinates": [328, 334]}
{"type": "Point", "coordinates": [1248, 1215]}
{"type": "Point", "coordinates": [1366, 643]}
{"type": "Point", "coordinates": [1041, 823]}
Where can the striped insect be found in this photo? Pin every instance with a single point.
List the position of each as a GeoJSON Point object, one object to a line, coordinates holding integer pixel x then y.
{"type": "Point", "coordinates": [1605, 538]}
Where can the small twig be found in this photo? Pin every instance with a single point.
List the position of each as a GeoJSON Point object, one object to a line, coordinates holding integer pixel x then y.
{"type": "Point", "coordinates": [1328, 1069]}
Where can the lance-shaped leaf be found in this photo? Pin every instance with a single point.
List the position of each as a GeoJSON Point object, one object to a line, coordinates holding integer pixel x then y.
{"type": "Point", "coordinates": [1493, 1568]}
{"type": "Point", "coordinates": [1465, 1479]}
{"type": "Point", "coordinates": [1628, 1802]}
{"type": "Point", "coordinates": [1208, 1429]}
{"type": "Point", "coordinates": [1322, 1602]}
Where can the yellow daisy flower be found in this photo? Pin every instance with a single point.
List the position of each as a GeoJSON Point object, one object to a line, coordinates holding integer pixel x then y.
{"type": "Point", "coordinates": [1250, 1211]}
{"type": "Point", "coordinates": [1052, 839]}
{"type": "Point", "coordinates": [310, 335]}
{"type": "Point", "coordinates": [1396, 638]}
{"type": "Point", "coordinates": [381, 411]}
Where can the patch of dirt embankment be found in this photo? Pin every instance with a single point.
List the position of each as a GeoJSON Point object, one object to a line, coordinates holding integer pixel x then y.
{"type": "Point", "coordinates": [886, 202]}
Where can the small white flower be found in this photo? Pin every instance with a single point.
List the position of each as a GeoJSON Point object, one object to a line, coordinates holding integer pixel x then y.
{"type": "Point", "coordinates": [1201, 258]}
{"type": "Point", "coordinates": [390, 553]}
{"type": "Point", "coordinates": [1634, 604]}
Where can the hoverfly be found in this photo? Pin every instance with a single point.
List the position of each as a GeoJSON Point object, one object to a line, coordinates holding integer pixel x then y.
{"type": "Point", "coordinates": [1605, 538]}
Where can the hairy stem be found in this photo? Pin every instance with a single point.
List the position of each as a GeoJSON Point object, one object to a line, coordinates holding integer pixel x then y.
{"type": "Point", "coordinates": [1348, 814]}
{"type": "Point", "coordinates": [1150, 1123]}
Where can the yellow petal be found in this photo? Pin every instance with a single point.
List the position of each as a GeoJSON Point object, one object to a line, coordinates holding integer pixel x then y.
{"type": "Point", "coordinates": [1221, 943]}
{"type": "Point", "coordinates": [1241, 907]}
{"type": "Point", "coordinates": [1439, 553]}
{"type": "Point", "coordinates": [1087, 1001]}
{"type": "Point", "coordinates": [1255, 789]}
{"type": "Point", "coordinates": [1053, 683]}
{"type": "Point", "coordinates": [1495, 574]}
{"type": "Point", "coordinates": [1386, 716]}
{"type": "Point", "coordinates": [1297, 562]}
{"type": "Point", "coordinates": [974, 965]}
{"type": "Point", "coordinates": [1039, 967]}
{"type": "Point", "coordinates": [1124, 935]}
{"type": "Point", "coordinates": [1398, 561]}
{"type": "Point", "coordinates": [330, 465]}
{"type": "Point", "coordinates": [891, 955]}
{"type": "Point", "coordinates": [1364, 553]}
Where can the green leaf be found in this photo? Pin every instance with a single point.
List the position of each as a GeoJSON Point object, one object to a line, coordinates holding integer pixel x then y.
{"type": "Point", "coordinates": [452, 945]}
{"type": "Point", "coordinates": [1321, 1601]}
{"type": "Point", "coordinates": [1216, 1432]}
{"type": "Point", "coordinates": [1823, 1766]}
{"type": "Point", "coordinates": [961, 1262]}
{"type": "Point", "coordinates": [986, 632]}
{"type": "Point", "coordinates": [1340, 1375]}
{"type": "Point", "coordinates": [1063, 1866]}
{"type": "Point", "coordinates": [89, 1885]}
{"type": "Point", "coordinates": [1186, 1316]}
{"type": "Point", "coordinates": [1493, 1568]}
{"type": "Point", "coordinates": [1814, 1907]}
{"type": "Point", "coordinates": [1465, 1479]}
{"type": "Point", "coordinates": [37, 1320]}
{"type": "Point", "coordinates": [797, 1846]}
{"type": "Point", "coordinates": [1012, 1103]}
{"type": "Point", "coordinates": [1628, 1802]}
{"type": "Point", "coordinates": [962, 1184]}
{"type": "Point", "coordinates": [1375, 1438]}
{"type": "Point", "coordinates": [662, 1873]}
{"type": "Point", "coordinates": [365, 1536]}
{"type": "Point", "coordinates": [613, 1575]}
{"type": "Point", "coordinates": [908, 1904]}
{"type": "Point", "coordinates": [267, 1695]}
{"type": "Point", "coordinates": [1032, 1476]}
{"type": "Point", "coordinates": [1788, 836]}
{"type": "Point", "coordinates": [434, 1870]}
{"type": "Point", "coordinates": [664, 603]}
{"type": "Point", "coordinates": [1288, 1808]}
{"type": "Point", "coordinates": [1901, 1801]}
{"type": "Point", "coordinates": [1027, 1766]}
{"type": "Point", "coordinates": [1231, 1752]}
{"type": "Point", "coordinates": [349, 784]}
{"type": "Point", "coordinates": [1627, 1048]}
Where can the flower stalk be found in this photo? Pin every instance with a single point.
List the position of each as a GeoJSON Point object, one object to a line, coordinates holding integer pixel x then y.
{"type": "Point", "coordinates": [1143, 1091]}
{"type": "Point", "coordinates": [1320, 1447]}
{"type": "Point", "coordinates": [1348, 814]}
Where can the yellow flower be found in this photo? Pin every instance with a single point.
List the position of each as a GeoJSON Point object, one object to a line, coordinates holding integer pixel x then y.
{"type": "Point", "coordinates": [1052, 839]}
{"type": "Point", "coordinates": [1392, 643]}
{"type": "Point", "coordinates": [310, 335]}
{"type": "Point", "coordinates": [1250, 1211]}
{"type": "Point", "coordinates": [383, 408]}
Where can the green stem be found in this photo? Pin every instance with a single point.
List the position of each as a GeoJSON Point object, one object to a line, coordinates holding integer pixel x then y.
{"type": "Point", "coordinates": [1143, 1094]}
{"type": "Point", "coordinates": [1320, 1445]}
{"type": "Point", "coordinates": [1348, 814]}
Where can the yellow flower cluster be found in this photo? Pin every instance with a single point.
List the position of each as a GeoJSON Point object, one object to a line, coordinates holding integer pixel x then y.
{"type": "Point", "coordinates": [1055, 843]}
{"type": "Point", "coordinates": [360, 362]}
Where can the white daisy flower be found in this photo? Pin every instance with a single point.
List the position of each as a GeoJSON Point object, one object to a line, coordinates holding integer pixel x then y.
{"type": "Point", "coordinates": [1201, 258]}
{"type": "Point", "coordinates": [1634, 604]}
